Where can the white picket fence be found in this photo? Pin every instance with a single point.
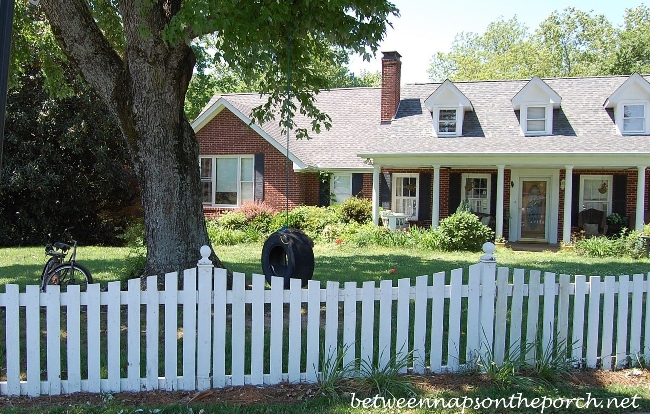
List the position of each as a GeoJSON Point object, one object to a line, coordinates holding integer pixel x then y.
{"type": "Point", "coordinates": [266, 336]}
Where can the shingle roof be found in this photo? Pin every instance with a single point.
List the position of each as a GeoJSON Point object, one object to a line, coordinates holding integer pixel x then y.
{"type": "Point", "coordinates": [581, 125]}
{"type": "Point", "coordinates": [355, 125]}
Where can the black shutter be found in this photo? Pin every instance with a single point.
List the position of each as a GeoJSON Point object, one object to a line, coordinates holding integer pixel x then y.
{"type": "Point", "coordinates": [385, 190]}
{"type": "Point", "coordinates": [576, 208]}
{"type": "Point", "coordinates": [454, 192]}
{"type": "Point", "coordinates": [357, 185]}
{"type": "Point", "coordinates": [493, 194]}
{"type": "Point", "coordinates": [424, 197]}
{"type": "Point", "coordinates": [619, 194]}
{"type": "Point", "coordinates": [258, 179]}
{"type": "Point", "coordinates": [323, 193]}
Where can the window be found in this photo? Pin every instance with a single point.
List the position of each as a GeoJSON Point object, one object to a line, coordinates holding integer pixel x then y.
{"type": "Point", "coordinates": [596, 192]}
{"type": "Point", "coordinates": [536, 121]}
{"type": "Point", "coordinates": [405, 195]}
{"type": "Point", "coordinates": [340, 188]}
{"type": "Point", "coordinates": [476, 190]}
{"type": "Point", "coordinates": [634, 118]}
{"type": "Point", "coordinates": [447, 121]}
{"type": "Point", "coordinates": [227, 181]}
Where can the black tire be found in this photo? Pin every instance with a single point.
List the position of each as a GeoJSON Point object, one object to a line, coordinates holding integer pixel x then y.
{"type": "Point", "coordinates": [288, 254]}
{"type": "Point", "coordinates": [69, 274]}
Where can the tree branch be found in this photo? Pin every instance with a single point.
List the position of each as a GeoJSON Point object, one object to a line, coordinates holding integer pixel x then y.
{"type": "Point", "coordinates": [84, 43]}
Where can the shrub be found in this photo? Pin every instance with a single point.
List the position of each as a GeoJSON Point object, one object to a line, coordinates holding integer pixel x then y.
{"type": "Point", "coordinates": [463, 231]}
{"type": "Point", "coordinates": [426, 238]}
{"type": "Point", "coordinates": [310, 219]}
{"type": "Point", "coordinates": [258, 216]}
{"type": "Point", "coordinates": [356, 209]}
{"type": "Point", "coordinates": [134, 239]}
{"type": "Point", "coordinates": [233, 220]}
{"type": "Point", "coordinates": [626, 244]}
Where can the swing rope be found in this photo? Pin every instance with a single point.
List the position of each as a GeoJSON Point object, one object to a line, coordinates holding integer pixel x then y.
{"type": "Point", "coordinates": [288, 126]}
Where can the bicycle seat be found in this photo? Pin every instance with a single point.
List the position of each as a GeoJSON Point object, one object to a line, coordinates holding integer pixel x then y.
{"type": "Point", "coordinates": [62, 246]}
{"type": "Point", "coordinates": [54, 253]}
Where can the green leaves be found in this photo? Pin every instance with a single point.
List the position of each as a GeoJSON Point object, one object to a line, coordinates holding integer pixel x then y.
{"type": "Point", "coordinates": [567, 43]}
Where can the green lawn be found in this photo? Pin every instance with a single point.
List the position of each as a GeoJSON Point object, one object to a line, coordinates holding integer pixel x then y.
{"type": "Point", "coordinates": [23, 265]}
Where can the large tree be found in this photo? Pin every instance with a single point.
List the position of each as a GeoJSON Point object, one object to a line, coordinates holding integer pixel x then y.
{"type": "Point", "coordinates": [567, 43]}
{"type": "Point", "coordinates": [212, 76]}
{"type": "Point", "coordinates": [137, 56]}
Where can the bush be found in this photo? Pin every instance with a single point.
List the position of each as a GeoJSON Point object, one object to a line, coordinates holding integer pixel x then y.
{"type": "Point", "coordinates": [233, 220]}
{"type": "Point", "coordinates": [356, 209]}
{"type": "Point", "coordinates": [426, 238]}
{"type": "Point", "coordinates": [310, 219]}
{"type": "Point", "coordinates": [626, 244]}
{"type": "Point", "coordinates": [463, 231]}
{"type": "Point", "coordinates": [134, 238]}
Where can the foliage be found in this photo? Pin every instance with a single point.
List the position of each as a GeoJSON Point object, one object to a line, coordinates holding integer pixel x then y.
{"type": "Point", "coordinates": [567, 43]}
{"type": "Point", "coordinates": [134, 238]}
{"type": "Point", "coordinates": [646, 230]}
{"type": "Point", "coordinates": [464, 207]}
{"type": "Point", "coordinates": [616, 218]}
{"type": "Point", "coordinates": [64, 165]}
{"type": "Point", "coordinates": [334, 373]}
{"type": "Point", "coordinates": [387, 381]}
{"type": "Point", "coordinates": [626, 244]}
{"type": "Point", "coordinates": [463, 231]}
{"type": "Point", "coordinates": [549, 367]}
{"type": "Point", "coordinates": [310, 219]}
{"type": "Point", "coordinates": [356, 209]}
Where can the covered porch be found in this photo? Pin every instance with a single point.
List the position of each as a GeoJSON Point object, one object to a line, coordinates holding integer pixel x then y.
{"type": "Point", "coordinates": [532, 198]}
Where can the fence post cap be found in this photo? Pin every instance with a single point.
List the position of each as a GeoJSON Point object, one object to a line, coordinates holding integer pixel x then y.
{"type": "Point", "coordinates": [205, 254]}
{"type": "Point", "coordinates": [488, 256]}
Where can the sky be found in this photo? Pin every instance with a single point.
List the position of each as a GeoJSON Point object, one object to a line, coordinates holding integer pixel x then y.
{"type": "Point", "coordinates": [429, 26]}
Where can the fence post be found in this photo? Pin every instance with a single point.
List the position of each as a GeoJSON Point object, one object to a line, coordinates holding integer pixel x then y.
{"type": "Point", "coordinates": [204, 328]}
{"type": "Point", "coordinates": [487, 298]}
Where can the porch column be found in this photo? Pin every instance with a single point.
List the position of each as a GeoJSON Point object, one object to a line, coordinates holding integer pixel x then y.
{"type": "Point", "coordinates": [568, 193]}
{"type": "Point", "coordinates": [640, 198]}
{"type": "Point", "coordinates": [375, 194]}
{"type": "Point", "coordinates": [435, 211]}
{"type": "Point", "coordinates": [500, 200]}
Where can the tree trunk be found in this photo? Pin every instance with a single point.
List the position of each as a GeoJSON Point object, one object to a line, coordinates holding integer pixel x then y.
{"type": "Point", "coordinates": [145, 89]}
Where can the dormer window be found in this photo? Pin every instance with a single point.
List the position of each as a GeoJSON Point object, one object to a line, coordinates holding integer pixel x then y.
{"type": "Point", "coordinates": [633, 118]}
{"type": "Point", "coordinates": [629, 103]}
{"type": "Point", "coordinates": [447, 121]}
{"type": "Point", "coordinates": [448, 105]}
{"type": "Point", "coordinates": [536, 101]}
{"type": "Point", "coordinates": [536, 119]}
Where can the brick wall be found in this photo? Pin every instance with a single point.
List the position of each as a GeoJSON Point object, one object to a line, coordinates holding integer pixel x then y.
{"type": "Point", "coordinates": [226, 134]}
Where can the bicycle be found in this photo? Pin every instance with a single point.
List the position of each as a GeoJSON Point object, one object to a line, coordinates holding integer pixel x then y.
{"type": "Point", "coordinates": [58, 272]}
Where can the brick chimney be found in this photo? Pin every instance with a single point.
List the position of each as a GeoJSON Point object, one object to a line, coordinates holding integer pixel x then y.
{"type": "Point", "coordinates": [391, 74]}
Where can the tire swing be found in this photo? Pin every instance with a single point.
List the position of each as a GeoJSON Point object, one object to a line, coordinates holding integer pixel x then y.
{"type": "Point", "coordinates": [288, 253]}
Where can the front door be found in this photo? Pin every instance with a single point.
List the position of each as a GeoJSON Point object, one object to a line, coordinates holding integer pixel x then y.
{"type": "Point", "coordinates": [534, 210]}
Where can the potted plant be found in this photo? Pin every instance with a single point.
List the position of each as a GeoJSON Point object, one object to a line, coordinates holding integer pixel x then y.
{"type": "Point", "coordinates": [500, 241]}
{"type": "Point", "coordinates": [615, 222]}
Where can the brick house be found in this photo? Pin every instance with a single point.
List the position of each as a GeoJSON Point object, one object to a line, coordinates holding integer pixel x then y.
{"type": "Point", "coordinates": [528, 154]}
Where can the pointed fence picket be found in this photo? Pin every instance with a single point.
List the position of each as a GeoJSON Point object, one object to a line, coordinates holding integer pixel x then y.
{"type": "Point", "coordinates": [214, 337]}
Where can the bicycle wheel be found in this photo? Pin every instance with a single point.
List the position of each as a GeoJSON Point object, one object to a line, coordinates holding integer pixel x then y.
{"type": "Point", "coordinates": [69, 274]}
{"type": "Point", "coordinates": [51, 264]}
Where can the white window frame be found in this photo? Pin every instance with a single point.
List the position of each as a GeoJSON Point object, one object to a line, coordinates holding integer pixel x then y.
{"type": "Point", "coordinates": [460, 114]}
{"type": "Point", "coordinates": [548, 119]}
{"type": "Point", "coordinates": [620, 117]}
{"type": "Point", "coordinates": [602, 178]}
{"type": "Point", "coordinates": [464, 178]}
{"type": "Point", "coordinates": [395, 199]}
{"type": "Point", "coordinates": [213, 178]}
{"type": "Point", "coordinates": [338, 198]}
